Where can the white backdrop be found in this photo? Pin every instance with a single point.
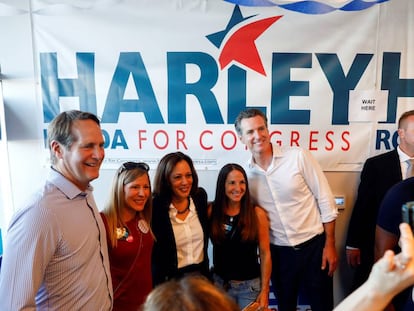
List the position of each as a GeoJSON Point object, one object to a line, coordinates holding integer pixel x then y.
{"type": "Point", "coordinates": [311, 61]}
{"type": "Point", "coordinates": [172, 75]}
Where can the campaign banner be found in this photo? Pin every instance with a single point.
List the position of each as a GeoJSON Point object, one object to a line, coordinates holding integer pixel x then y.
{"type": "Point", "coordinates": [332, 76]}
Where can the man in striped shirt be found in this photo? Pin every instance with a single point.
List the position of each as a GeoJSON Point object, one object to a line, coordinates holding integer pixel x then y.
{"type": "Point", "coordinates": [56, 255]}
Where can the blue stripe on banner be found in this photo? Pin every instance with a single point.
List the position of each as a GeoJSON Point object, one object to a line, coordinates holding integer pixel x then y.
{"type": "Point", "coordinates": [310, 7]}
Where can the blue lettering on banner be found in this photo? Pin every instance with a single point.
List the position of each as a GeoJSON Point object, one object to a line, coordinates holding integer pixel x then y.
{"type": "Point", "coordinates": [131, 64]}
{"type": "Point", "coordinates": [340, 83]}
{"type": "Point", "coordinates": [178, 89]}
{"type": "Point", "coordinates": [53, 87]}
{"type": "Point", "coordinates": [384, 138]}
{"type": "Point", "coordinates": [391, 81]}
{"type": "Point", "coordinates": [282, 87]}
{"type": "Point", "coordinates": [117, 141]}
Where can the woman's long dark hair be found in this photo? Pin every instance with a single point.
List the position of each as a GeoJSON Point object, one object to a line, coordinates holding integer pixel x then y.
{"type": "Point", "coordinates": [247, 218]}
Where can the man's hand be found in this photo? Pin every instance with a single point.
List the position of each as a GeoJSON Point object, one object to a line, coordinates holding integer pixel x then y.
{"type": "Point", "coordinates": [329, 257]}
{"type": "Point", "coordinates": [353, 257]}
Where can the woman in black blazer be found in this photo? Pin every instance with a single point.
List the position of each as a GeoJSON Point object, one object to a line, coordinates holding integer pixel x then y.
{"type": "Point", "coordinates": [179, 220]}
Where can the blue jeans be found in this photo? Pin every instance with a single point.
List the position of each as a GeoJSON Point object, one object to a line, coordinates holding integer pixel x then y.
{"type": "Point", "coordinates": [243, 292]}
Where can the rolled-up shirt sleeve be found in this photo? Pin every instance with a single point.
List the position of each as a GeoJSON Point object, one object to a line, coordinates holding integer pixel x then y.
{"type": "Point", "coordinates": [319, 186]}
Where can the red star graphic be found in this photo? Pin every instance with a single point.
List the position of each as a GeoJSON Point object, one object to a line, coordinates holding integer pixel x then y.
{"type": "Point", "coordinates": [241, 47]}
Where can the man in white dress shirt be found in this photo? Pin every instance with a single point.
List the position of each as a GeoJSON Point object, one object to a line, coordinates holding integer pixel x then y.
{"type": "Point", "coordinates": [290, 185]}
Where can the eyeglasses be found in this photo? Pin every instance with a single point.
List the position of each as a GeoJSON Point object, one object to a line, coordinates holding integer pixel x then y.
{"type": "Point", "coordinates": [127, 166]}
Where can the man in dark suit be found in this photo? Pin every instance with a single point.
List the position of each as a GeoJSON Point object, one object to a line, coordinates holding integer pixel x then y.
{"type": "Point", "coordinates": [378, 175]}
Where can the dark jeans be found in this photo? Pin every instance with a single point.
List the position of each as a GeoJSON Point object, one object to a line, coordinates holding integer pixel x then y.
{"type": "Point", "coordinates": [299, 267]}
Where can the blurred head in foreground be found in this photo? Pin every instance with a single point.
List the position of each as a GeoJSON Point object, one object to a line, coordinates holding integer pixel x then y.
{"type": "Point", "coordinates": [189, 294]}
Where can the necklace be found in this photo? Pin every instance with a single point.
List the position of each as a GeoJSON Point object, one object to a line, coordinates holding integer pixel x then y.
{"type": "Point", "coordinates": [184, 210]}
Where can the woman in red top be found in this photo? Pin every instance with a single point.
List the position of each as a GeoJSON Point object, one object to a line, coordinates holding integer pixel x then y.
{"type": "Point", "coordinates": [127, 218]}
